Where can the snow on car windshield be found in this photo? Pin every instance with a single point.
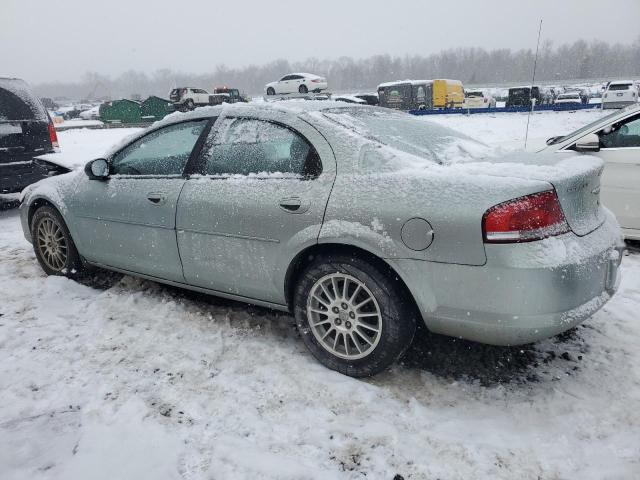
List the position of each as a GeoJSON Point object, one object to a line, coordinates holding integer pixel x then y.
{"type": "Point", "coordinates": [413, 142]}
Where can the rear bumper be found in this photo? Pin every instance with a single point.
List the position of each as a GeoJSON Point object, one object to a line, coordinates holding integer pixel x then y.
{"type": "Point", "coordinates": [524, 293]}
{"type": "Point", "coordinates": [621, 104]}
{"type": "Point", "coordinates": [17, 175]}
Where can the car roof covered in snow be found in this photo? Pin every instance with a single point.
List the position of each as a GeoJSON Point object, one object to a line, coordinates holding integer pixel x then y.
{"type": "Point", "coordinates": [400, 82]}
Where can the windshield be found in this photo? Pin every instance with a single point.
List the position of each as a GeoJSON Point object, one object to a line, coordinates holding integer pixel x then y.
{"type": "Point", "coordinates": [589, 126]}
{"type": "Point", "coordinates": [424, 142]}
{"type": "Point", "coordinates": [474, 94]}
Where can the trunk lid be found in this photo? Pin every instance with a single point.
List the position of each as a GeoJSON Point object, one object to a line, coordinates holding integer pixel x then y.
{"type": "Point", "coordinates": [576, 181]}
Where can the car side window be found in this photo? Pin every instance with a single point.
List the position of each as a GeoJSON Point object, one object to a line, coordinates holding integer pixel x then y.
{"type": "Point", "coordinates": [242, 146]}
{"type": "Point", "coordinates": [286, 77]}
{"type": "Point", "coordinates": [162, 152]}
{"type": "Point", "coordinates": [621, 135]}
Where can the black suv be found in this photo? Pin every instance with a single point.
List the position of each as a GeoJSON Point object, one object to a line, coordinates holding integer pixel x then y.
{"type": "Point", "coordinates": [26, 131]}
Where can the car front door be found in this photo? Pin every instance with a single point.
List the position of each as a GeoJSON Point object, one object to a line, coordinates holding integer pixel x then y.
{"type": "Point", "coordinates": [284, 84]}
{"type": "Point", "coordinates": [261, 197]}
{"type": "Point", "coordinates": [128, 220]}
{"type": "Point", "coordinates": [620, 149]}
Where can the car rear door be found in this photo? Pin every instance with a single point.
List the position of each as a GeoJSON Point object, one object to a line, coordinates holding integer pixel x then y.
{"type": "Point", "coordinates": [128, 221]}
{"type": "Point", "coordinates": [259, 199]}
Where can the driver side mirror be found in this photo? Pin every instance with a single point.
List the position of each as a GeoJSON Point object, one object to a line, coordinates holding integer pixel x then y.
{"type": "Point", "coordinates": [97, 169]}
{"type": "Point", "coordinates": [588, 143]}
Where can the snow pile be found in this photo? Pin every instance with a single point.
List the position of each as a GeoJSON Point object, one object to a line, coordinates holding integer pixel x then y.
{"type": "Point", "coordinates": [129, 379]}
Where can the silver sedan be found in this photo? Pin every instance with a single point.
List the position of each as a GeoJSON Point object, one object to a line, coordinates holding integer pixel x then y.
{"type": "Point", "coordinates": [358, 220]}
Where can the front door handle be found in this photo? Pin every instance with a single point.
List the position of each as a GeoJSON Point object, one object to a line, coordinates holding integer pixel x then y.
{"type": "Point", "coordinates": [293, 205]}
{"type": "Point", "coordinates": [156, 198]}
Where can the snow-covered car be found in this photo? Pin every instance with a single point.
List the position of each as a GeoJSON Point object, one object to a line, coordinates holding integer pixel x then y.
{"type": "Point", "coordinates": [359, 220]}
{"type": "Point", "coordinates": [620, 94]}
{"type": "Point", "coordinates": [478, 99]}
{"type": "Point", "coordinates": [26, 132]}
{"type": "Point", "coordinates": [349, 99]}
{"type": "Point", "coordinates": [569, 98]}
{"type": "Point", "coordinates": [616, 140]}
{"type": "Point", "coordinates": [189, 97]}
{"type": "Point", "coordinates": [360, 98]}
{"type": "Point", "coordinates": [297, 83]}
{"type": "Point", "coordinates": [92, 114]}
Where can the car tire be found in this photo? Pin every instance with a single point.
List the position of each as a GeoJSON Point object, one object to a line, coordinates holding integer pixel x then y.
{"type": "Point", "coordinates": [52, 243]}
{"type": "Point", "coordinates": [271, 91]}
{"type": "Point", "coordinates": [190, 105]}
{"type": "Point", "coordinates": [303, 89]}
{"type": "Point", "coordinates": [331, 337]}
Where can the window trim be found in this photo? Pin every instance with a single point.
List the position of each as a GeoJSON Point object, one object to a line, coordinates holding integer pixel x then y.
{"type": "Point", "coordinates": [195, 150]}
{"type": "Point", "coordinates": [197, 166]}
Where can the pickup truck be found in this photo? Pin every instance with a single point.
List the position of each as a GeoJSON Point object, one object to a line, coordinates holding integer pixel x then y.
{"type": "Point", "coordinates": [188, 98]}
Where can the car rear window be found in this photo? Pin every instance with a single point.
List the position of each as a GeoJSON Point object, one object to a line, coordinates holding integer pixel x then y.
{"type": "Point", "coordinates": [620, 86]}
{"type": "Point", "coordinates": [18, 103]}
{"type": "Point", "coordinates": [424, 141]}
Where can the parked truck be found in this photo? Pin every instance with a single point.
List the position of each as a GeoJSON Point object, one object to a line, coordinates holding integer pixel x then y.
{"type": "Point", "coordinates": [421, 94]}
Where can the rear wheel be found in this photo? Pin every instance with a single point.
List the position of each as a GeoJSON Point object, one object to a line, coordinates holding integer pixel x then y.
{"type": "Point", "coordinates": [271, 91]}
{"type": "Point", "coordinates": [53, 245]}
{"type": "Point", "coordinates": [303, 89]}
{"type": "Point", "coordinates": [352, 316]}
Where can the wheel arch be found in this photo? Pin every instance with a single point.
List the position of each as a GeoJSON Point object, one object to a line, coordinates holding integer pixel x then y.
{"type": "Point", "coordinates": [297, 265]}
{"type": "Point", "coordinates": [38, 202]}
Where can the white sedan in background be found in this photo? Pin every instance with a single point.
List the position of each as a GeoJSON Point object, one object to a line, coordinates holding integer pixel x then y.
{"type": "Point", "coordinates": [569, 97]}
{"type": "Point", "coordinates": [297, 83]}
{"type": "Point", "coordinates": [616, 139]}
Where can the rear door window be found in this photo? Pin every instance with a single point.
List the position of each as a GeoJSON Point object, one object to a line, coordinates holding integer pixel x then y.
{"type": "Point", "coordinates": [243, 146]}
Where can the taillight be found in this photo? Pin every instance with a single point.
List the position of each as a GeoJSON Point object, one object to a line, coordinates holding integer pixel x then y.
{"type": "Point", "coordinates": [315, 80]}
{"type": "Point", "coordinates": [525, 219]}
{"type": "Point", "coordinates": [53, 136]}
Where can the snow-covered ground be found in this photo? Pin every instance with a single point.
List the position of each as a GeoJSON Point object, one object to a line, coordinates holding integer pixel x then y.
{"type": "Point", "coordinates": [119, 378]}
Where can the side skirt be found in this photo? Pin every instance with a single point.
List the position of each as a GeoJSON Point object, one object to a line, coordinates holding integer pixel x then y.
{"type": "Point", "coordinates": [215, 293]}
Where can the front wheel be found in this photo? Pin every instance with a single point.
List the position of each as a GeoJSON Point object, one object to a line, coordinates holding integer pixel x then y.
{"type": "Point", "coordinates": [353, 317]}
{"type": "Point", "coordinates": [53, 245]}
{"type": "Point", "coordinates": [271, 91]}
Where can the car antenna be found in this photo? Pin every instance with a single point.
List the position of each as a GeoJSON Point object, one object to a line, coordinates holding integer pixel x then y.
{"type": "Point", "coordinates": [533, 79]}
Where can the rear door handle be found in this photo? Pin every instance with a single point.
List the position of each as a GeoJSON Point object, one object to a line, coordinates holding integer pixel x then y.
{"type": "Point", "coordinates": [293, 205]}
{"type": "Point", "coordinates": [157, 198]}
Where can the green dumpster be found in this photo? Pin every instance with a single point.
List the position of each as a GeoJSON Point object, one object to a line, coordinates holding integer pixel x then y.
{"type": "Point", "coordinates": [156, 108]}
{"type": "Point", "coordinates": [121, 111]}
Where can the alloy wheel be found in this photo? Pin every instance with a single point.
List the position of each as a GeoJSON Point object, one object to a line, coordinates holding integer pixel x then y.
{"type": "Point", "coordinates": [344, 316]}
{"type": "Point", "coordinates": [52, 244]}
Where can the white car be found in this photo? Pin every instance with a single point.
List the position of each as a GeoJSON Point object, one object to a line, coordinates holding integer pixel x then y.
{"type": "Point", "coordinates": [91, 114]}
{"type": "Point", "coordinates": [297, 83]}
{"type": "Point", "coordinates": [189, 97]}
{"type": "Point", "coordinates": [478, 99]}
{"type": "Point", "coordinates": [620, 94]}
{"type": "Point", "coordinates": [569, 97]}
{"type": "Point", "coordinates": [616, 139]}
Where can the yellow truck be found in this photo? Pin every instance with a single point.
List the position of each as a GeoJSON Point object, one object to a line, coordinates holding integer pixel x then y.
{"type": "Point", "coordinates": [447, 93]}
{"type": "Point", "coordinates": [421, 94]}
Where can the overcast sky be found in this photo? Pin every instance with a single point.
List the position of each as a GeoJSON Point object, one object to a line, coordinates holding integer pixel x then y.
{"type": "Point", "coordinates": [45, 40]}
